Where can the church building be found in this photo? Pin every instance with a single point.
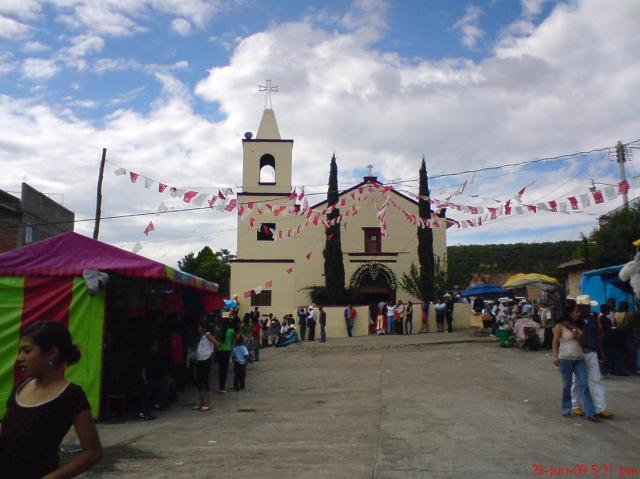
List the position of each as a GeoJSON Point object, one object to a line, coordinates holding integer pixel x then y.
{"type": "Point", "coordinates": [281, 236]}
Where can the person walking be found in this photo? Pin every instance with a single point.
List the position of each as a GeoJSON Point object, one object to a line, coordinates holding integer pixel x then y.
{"type": "Point", "coordinates": [408, 322]}
{"type": "Point", "coordinates": [42, 408]}
{"type": "Point", "coordinates": [204, 352]}
{"type": "Point", "coordinates": [569, 357]}
{"type": "Point", "coordinates": [449, 312]}
{"type": "Point", "coordinates": [323, 324]}
{"type": "Point", "coordinates": [311, 322]}
{"type": "Point", "coordinates": [592, 348]}
{"type": "Point", "coordinates": [224, 354]}
{"type": "Point", "coordinates": [441, 306]}
{"type": "Point", "coordinates": [256, 329]}
{"type": "Point", "coordinates": [302, 322]}
{"type": "Point", "coordinates": [400, 315]}
{"type": "Point", "coordinates": [240, 355]}
{"type": "Point", "coordinates": [351, 317]}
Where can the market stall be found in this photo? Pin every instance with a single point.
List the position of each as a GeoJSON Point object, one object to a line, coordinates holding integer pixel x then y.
{"type": "Point", "coordinates": [100, 292]}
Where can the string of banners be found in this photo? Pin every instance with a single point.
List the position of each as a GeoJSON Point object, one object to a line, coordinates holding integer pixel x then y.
{"type": "Point", "coordinates": [226, 200]}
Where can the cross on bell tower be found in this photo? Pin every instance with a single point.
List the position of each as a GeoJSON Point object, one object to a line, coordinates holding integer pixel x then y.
{"type": "Point", "coordinates": [268, 88]}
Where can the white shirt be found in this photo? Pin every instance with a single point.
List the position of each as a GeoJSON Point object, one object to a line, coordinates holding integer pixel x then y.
{"type": "Point", "coordinates": [312, 314]}
{"type": "Point", "coordinates": [391, 310]}
{"type": "Point", "coordinates": [205, 348]}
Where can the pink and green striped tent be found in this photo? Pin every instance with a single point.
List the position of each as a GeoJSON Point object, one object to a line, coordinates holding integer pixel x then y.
{"type": "Point", "coordinates": [43, 281]}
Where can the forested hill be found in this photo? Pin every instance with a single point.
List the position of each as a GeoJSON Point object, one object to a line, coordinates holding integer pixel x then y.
{"type": "Point", "coordinates": [544, 258]}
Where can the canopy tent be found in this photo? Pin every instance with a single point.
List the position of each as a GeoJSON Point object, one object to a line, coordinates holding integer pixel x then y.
{"type": "Point", "coordinates": [44, 281]}
{"type": "Point", "coordinates": [485, 289]}
{"type": "Point", "coordinates": [602, 284]}
{"type": "Point", "coordinates": [540, 281]}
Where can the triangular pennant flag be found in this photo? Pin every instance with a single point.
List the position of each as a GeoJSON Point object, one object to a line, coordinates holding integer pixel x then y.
{"type": "Point", "coordinates": [268, 284]}
{"type": "Point", "coordinates": [597, 197]}
{"type": "Point", "coordinates": [247, 294]}
{"type": "Point", "coordinates": [574, 201]}
{"type": "Point", "coordinates": [161, 187]}
{"type": "Point", "coordinates": [221, 195]}
{"type": "Point", "coordinates": [149, 228]}
{"type": "Point", "coordinates": [623, 187]}
{"type": "Point", "coordinates": [120, 172]}
{"type": "Point", "coordinates": [212, 201]}
{"type": "Point", "coordinates": [290, 270]}
{"type": "Point", "coordinates": [609, 193]}
{"type": "Point", "coordinates": [148, 182]}
{"type": "Point", "coordinates": [308, 255]}
{"type": "Point", "coordinates": [137, 247]}
{"type": "Point", "coordinates": [293, 195]}
{"type": "Point", "coordinates": [162, 208]}
{"type": "Point", "coordinates": [584, 199]}
{"type": "Point", "coordinates": [133, 176]}
{"type": "Point", "coordinates": [189, 195]}
{"type": "Point", "coordinates": [198, 200]}
{"type": "Point", "coordinates": [258, 290]}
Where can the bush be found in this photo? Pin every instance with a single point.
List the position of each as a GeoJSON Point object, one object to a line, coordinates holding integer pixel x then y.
{"type": "Point", "coordinates": [320, 296]}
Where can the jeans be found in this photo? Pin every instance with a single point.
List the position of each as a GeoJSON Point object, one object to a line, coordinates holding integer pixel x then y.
{"type": "Point", "coordinates": [390, 324]}
{"type": "Point", "coordinates": [303, 328]}
{"type": "Point", "coordinates": [311, 329]}
{"type": "Point", "coordinates": [239, 373]}
{"type": "Point", "coordinates": [568, 368]}
{"type": "Point", "coordinates": [323, 331]}
{"type": "Point", "coordinates": [596, 388]}
{"type": "Point", "coordinates": [408, 325]}
{"type": "Point", "coordinates": [350, 327]}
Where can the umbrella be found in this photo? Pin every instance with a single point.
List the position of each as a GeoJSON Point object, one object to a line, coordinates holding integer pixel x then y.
{"type": "Point", "coordinates": [540, 281]}
{"type": "Point", "coordinates": [485, 289]}
{"type": "Point", "coordinates": [229, 304]}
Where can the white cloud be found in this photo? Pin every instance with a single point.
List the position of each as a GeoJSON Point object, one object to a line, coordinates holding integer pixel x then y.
{"type": "Point", "coordinates": [7, 62]}
{"type": "Point", "coordinates": [34, 47]}
{"type": "Point", "coordinates": [181, 27]}
{"type": "Point", "coordinates": [563, 87]}
{"type": "Point", "coordinates": [468, 26]}
{"type": "Point", "coordinates": [10, 28]}
{"type": "Point", "coordinates": [38, 68]}
{"type": "Point", "coordinates": [24, 9]}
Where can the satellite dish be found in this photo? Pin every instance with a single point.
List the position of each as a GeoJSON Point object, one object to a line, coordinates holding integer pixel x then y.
{"type": "Point", "coordinates": [248, 135]}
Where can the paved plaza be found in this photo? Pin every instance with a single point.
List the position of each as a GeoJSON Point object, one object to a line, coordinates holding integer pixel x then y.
{"type": "Point", "coordinates": [430, 406]}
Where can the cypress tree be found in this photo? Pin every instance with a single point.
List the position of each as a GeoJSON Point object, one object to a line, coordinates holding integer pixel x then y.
{"type": "Point", "coordinates": [425, 240]}
{"type": "Point", "coordinates": [333, 262]}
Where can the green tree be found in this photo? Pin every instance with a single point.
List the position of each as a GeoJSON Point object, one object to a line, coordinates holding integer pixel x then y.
{"type": "Point", "coordinates": [610, 244]}
{"type": "Point", "coordinates": [211, 266]}
{"type": "Point", "coordinates": [410, 282]}
{"type": "Point", "coordinates": [333, 261]}
{"type": "Point", "coordinates": [425, 240]}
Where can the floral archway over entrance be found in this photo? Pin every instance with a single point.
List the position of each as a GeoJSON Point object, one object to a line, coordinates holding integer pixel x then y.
{"type": "Point", "coordinates": [373, 272]}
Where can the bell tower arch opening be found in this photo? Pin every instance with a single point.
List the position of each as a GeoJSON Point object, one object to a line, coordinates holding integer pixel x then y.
{"type": "Point", "coordinates": [267, 170]}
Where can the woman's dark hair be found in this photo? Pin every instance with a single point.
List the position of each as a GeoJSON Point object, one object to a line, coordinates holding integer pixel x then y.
{"type": "Point", "coordinates": [605, 309]}
{"type": "Point", "coordinates": [239, 340]}
{"type": "Point", "coordinates": [568, 307]}
{"type": "Point", "coordinates": [50, 334]}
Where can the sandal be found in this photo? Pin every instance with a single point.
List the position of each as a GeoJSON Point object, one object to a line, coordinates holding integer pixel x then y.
{"type": "Point", "coordinates": [205, 408]}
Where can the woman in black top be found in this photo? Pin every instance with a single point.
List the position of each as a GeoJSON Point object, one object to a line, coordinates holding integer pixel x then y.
{"type": "Point", "coordinates": [42, 408]}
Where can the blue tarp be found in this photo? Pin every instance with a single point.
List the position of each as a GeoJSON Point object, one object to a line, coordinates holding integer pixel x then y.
{"type": "Point", "coordinates": [602, 284]}
{"type": "Point", "coordinates": [485, 289]}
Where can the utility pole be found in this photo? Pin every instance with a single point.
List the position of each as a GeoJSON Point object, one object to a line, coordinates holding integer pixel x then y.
{"type": "Point", "coordinates": [96, 227]}
{"type": "Point", "coordinates": [621, 159]}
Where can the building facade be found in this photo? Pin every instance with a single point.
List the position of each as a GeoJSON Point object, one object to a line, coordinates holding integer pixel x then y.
{"type": "Point", "coordinates": [282, 269]}
{"type": "Point", "coordinates": [30, 218]}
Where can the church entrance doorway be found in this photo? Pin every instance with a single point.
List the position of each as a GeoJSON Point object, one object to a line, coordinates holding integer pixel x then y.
{"type": "Point", "coordinates": [375, 283]}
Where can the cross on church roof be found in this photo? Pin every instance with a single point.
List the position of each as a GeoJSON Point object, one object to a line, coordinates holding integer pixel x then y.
{"type": "Point", "coordinates": [370, 167]}
{"type": "Point", "coordinates": [268, 87]}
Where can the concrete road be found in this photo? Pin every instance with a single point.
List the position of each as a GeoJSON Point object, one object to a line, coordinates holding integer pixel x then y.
{"type": "Point", "coordinates": [384, 407]}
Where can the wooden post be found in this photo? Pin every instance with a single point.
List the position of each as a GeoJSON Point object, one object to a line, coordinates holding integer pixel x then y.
{"type": "Point", "coordinates": [96, 228]}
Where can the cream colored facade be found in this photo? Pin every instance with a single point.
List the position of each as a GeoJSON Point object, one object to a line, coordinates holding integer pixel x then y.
{"type": "Point", "coordinates": [260, 261]}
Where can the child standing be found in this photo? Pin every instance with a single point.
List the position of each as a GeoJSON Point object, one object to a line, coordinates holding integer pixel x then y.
{"type": "Point", "coordinates": [240, 355]}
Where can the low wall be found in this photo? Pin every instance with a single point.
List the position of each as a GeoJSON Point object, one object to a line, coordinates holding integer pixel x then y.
{"type": "Point", "coordinates": [336, 327]}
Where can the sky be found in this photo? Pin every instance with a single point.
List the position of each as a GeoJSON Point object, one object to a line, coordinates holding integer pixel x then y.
{"type": "Point", "coordinates": [170, 86]}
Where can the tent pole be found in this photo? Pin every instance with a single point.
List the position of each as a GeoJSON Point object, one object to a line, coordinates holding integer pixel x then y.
{"type": "Point", "coordinates": [96, 227]}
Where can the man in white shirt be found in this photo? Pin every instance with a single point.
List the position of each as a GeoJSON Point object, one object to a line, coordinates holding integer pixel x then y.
{"type": "Point", "coordinates": [312, 316]}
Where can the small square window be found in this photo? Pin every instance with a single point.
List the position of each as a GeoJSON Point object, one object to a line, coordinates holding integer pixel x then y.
{"type": "Point", "coordinates": [261, 299]}
{"type": "Point", "coordinates": [266, 232]}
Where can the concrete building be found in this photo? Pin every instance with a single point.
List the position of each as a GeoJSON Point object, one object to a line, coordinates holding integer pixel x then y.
{"type": "Point", "coordinates": [30, 218]}
{"type": "Point", "coordinates": [283, 266]}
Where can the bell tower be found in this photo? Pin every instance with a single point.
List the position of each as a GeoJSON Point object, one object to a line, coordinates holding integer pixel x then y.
{"type": "Point", "coordinates": [266, 159]}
